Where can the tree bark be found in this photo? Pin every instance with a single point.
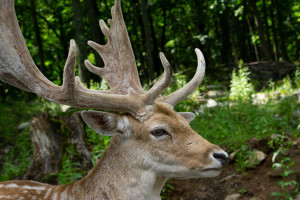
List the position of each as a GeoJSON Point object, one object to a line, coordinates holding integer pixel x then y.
{"type": "Point", "coordinates": [261, 32]}
{"type": "Point", "coordinates": [78, 139]}
{"type": "Point", "coordinates": [280, 30]}
{"type": "Point", "coordinates": [230, 18]}
{"type": "Point", "coordinates": [46, 156]}
{"type": "Point", "coordinates": [148, 40]}
{"type": "Point", "coordinates": [163, 34]}
{"type": "Point", "coordinates": [157, 64]}
{"type": "Point", "coordinates": [273, 26]}
{"type": "Point", "coordinates": [93, 14]}
{"type": "Point", "coordinates": [49, 144]}
{"type": "Point", "coordinates": [84, 74]}
{"type": "Point", "coordinates": [225, 56]}
{"type": "Point", "coordinates": [254, 45]}
{"type": "Point", "coordinates": [266, 26]}
{"type": "Point", "coordinates": [38, 36]}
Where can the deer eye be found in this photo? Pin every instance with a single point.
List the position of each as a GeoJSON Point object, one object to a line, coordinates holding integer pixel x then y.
{"type": "Point", "coordinates": [159, 132]}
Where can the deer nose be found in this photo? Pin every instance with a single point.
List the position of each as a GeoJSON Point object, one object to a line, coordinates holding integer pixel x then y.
{"type": "Point", "coordinates": [222, 158]}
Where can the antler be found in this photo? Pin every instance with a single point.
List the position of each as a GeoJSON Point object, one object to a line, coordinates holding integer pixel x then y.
{"type": "Point", "coordinates": [190, 87]}
{"type": "Point", "coordinates": [126, 94]}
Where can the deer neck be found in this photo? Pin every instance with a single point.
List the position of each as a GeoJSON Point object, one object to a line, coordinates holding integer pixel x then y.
{"type": "Point", "coordinates": [119, 175]}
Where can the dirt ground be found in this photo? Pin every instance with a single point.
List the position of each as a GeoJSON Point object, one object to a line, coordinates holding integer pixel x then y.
{"type": "Point", "coordinates": [256, 182]}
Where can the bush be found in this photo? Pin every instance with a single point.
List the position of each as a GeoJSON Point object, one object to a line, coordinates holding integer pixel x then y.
{"type": "Point", "coordinates": [240, 87]}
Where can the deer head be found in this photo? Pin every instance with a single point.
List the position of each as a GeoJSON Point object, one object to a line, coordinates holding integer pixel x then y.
{"type": "Point", "coordinates": [150, 139]}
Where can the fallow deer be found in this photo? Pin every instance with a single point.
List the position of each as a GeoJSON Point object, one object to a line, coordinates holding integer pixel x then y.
{"type": "Point", "coordinates": [150, 141]}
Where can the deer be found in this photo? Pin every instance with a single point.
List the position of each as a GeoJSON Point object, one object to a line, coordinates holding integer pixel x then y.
{"type": "Point", "coordinates": [151, 142]}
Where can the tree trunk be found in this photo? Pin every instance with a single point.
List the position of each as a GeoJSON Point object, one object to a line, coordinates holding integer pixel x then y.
{"type": "Point", "coordinates": [254, 45]}
{"type": "Point", "coordinates": [49, 144]}
{"type": "Point", "coordinates": [93, 14]}
{"type": "Point", "coordinates": [261, 32]}
{"type": "Point", "coordinates": [229, 17]}
{"type": "Point", "coordinates": [77, 128]}
{"type": "Point", "coordinates": [157, 64]}
{"type": "Point", "coordinates": [148, 40]}
{"type": "Point", "coordinates": [38, 36]}
{"type": "Point", "coordinates": [225, 55]}
{"type": "Point", "coordinates": [163, 33]}
{"type": "Point", "coordinates": [266, 26]}
{"type": "Point", "coordinates": [84, 74]}
{"type": "Point", "coordinates": [275, 40]}
{"type": "Point", "coordinates": [280, 29]}
{"type": "Point", "coordinates": [46, 156]}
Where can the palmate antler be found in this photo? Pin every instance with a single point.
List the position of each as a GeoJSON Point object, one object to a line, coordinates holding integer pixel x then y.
{"type": "Point", "coordinates": [126, 93]}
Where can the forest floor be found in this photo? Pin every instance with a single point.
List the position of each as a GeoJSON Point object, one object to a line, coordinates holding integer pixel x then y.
{"type": "Point", "coordinates": [255, 184]}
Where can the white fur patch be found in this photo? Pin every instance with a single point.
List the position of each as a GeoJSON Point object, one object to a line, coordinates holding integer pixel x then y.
{"type": "Point", "coordinates": [54, 196]}
{"type": "Point", "coordinates": [33, 188]}
{"type": "Point", "coordinates": [12, 185]}
{"type": "Point", "coordinates": [48, 192]}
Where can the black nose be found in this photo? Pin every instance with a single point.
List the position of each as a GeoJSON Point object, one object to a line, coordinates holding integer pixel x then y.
{"type": "Point", "coordinates": [222, 158]}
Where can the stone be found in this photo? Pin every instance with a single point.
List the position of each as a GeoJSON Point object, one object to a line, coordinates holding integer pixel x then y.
{"type": "Point", "coordinates": [212, 94]}
{"type": "Point", "coordinates": [275, 172]}
{"type": "Point", "coordinates": [232, 155]}
{"type": "Point", "coordinates": [276, 135]}
{"type": "Point", "coordinates": [24, 125]}
{"type": "Point", "coordinates": [259, 155]}
{"type": "Point", "coordinates": [235, 196]}
{"type": "Point", "coordinates": [296, 141]}
{"type": "Point", "coordinates": [256, 158]}
{"type": "Point", "coordinates": [297, 197]}
{"type": "Point", "coordinates": [211, 103]}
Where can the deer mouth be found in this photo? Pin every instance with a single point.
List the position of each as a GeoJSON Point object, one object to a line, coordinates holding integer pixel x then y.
{"type": "Point", "coordinates": [213, 169]}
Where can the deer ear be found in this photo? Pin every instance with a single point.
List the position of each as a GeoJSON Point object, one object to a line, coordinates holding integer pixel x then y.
{"type": "Point", "coordinates": [106, 124]}
{"type": "Point", "coordinates": [188, 116]}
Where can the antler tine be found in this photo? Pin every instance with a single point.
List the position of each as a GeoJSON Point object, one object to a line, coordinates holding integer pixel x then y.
{"type": "Point", "coordinates": [69, 69]}
{"type": "Point", "coordinates": [163, 82]}
{"type": "Point", "coordinates": [190, 87]}
{"type": "Point", "coordinates": [120, 69]}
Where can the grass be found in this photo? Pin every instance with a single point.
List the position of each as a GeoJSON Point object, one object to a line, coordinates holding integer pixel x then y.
{"type": "Point", "coordinates": [233, 125]}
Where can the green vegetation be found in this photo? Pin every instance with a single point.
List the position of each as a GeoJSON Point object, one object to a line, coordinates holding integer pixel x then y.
{"type": "Point", "coordinates": [283, 163]}
{"type": "Point", "coordinates": [234, 124]}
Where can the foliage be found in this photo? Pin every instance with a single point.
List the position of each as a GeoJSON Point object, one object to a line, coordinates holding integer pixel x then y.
{"type": "Point", "coordinates": [15, 142]}
{"type": "Point", "coordinates": [242, 157]}
{"type": "Point", "coordinates": [166, 191]}
{"type": "Point", "coordinates": [281, 162]}
{"type": "Point", "coordinates": [240, 87]}
{"type": "Point", "coordinates": [17, 159]}
{"type": "Point", "coordinates": [233, 124]}
{"type": "Point", "coordinates": [297, 77]}
{"type": "Point", "coordinates": [70, 171]}
{"type": "Point", "coordinates": [99, 142]}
